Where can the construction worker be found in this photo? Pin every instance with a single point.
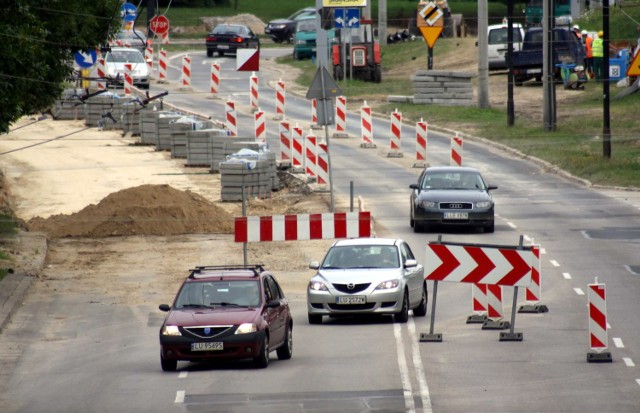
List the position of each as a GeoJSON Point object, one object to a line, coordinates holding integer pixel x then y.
{"type": "Point", "coordinates": [587, 40]}
{"type": "Point", "coordinates": [598, 55]}
{"type": "Point", "coordinates": [576, 31]}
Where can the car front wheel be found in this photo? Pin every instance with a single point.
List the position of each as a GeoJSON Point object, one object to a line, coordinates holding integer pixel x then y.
{"type": "Point", "coordinates": [403, 315]}
{"type": "Point", "coordinates": [262, 360]}
{"type": "Point", "coordinates": [421, 310]}
{"type": "Point", "coordinates": [490, 228]}
{"type": "Point", "coordinates": [315, 319]}
{"type": "Point", "coordinates": [168, 365]}
{"type": "Point", "coordinates": [285, 351]}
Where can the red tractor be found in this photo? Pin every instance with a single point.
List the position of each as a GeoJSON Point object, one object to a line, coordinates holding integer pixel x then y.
{"type": "Point", "coordinates": [357, 54]}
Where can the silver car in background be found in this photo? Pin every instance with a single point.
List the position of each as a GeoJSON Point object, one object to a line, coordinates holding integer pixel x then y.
{"type": "Point", "coordinates": [367, 276]}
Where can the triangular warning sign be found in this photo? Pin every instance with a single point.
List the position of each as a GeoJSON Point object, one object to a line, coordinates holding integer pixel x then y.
{"type": "Point", "coordinates": [430, 34]}
{"type": "Point", "coordinates": [248, 60]}
{"type": "Point", "coordinates": [323, 86]}
{"type": "Point", "coordinates": [634, 67]}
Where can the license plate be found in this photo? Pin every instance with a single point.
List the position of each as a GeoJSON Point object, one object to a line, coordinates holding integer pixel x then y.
{"type": "Point", "coordinates": [533, 71]}
{"type": "Point", "coordinates": [216, 345]}
{"type": "Point", "coordinates": [223, 46]}
{"type": "Point", "coordinates": [456, 215]}
{"type": "Point", "coordinates": [351, 299]}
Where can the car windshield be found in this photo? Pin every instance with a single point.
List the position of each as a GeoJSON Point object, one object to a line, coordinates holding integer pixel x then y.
{"type": "Point", "coordinates": [227, 30]}
{"type": "Point", "coordinates": [131, 35]}
{"type": "Point", "coordinates": [124, 56]}
{"type": "Point", "coordinates": [307, 26]}
{"type": "Point", "coordinates": [453, 180]}
{"type": "Point", "coordinates": [237, 293]}
{"type": "Point", "coordinates": [361, 256]}
{"type": "Point", "coordinates": [499, 36]}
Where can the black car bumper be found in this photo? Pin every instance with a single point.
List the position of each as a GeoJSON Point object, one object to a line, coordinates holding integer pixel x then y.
{"type": "Point", "coordinates": [239, 346]}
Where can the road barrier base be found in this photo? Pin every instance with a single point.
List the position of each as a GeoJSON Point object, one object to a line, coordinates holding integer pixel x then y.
{"type": "Point", "coordinates": [433, 338]}
{"type": "Point", "coordinates": [368, 145]}
{"type": "Point", "coordinates": [510, 336]}
{"type": "Point", "coordinates": [314, 126]}
{"type": "Point", "coordinates": [495, 325]}
{"type": "Point", "coordinates": [420, 165]}
{"type": "Point", "coordinates": [533, 308]}
{"type": "Point", "coordinates": [340, 135]}
{"type": "Point", "coordinates": [395, 155]}
{"type": "Point", "coordinates": [477, 319]}
{"type": "Point", "coordinates": [604, 357]}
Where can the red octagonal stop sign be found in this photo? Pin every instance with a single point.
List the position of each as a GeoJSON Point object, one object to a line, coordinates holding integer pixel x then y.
{"type": "Point", "coordinates": [159, 25]}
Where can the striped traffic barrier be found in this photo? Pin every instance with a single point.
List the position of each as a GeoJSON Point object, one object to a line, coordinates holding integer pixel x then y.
{"type": "Point", "coordinates": [186, 72]}
{"type": "Point", "coordinates": [479, 303]}
{"type": "Point", "coordinates": [456, 151]}
{"type": "Point", "coordinates": [310, 155]}
{"type": "Point", "coordinates": [231, 119]}
{"type": "Point", "coordinates": [598, 334]}
{"type": "Point", "coordinates": [102, 74]}
{"type": "Point", "coordinates": [314, 114]}
{"type": "Point", "coordinates": [421, 144]}
{"type": "Point", "coordinates": [253, 91]}
{"type": "Point", "coordinates": [260, 128]}
{"type": "Point", "coordinates": [495, 309]}
{"type": "Point", "coordinates": [214, 82]}
{"type": "Point", "coordinates": [162, 66]}
{"type": "Point", "coordinates": [148, 57]}
{"type": "Point", "coordinates": [280, 100]}
{"type": "Point", "coordinates": [284, 130]}
{"type": "Point", "coordinates": [323, 166]}
{"type": "Point", "coordinates": [396, 132]}
{"type": "Point", "coordinates": [128, 79]}
{"type": "Point", "coordinates": [533, 293]}
{"type": "Point", "coordinates": [165, 37]}
{"type": "Point", "coordinates": [297, 148]}
{"type": "Point", "coordinates": [341, 118]}
{"type": "Point", "coordinates": [366, 127]}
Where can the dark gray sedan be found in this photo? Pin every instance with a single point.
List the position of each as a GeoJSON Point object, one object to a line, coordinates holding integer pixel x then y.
{"type": "Point", "coordinates": [451, 196]}
{"type": "Point", "coordinates": [228, 38]}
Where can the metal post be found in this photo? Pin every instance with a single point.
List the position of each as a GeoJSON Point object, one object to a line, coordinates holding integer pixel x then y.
{"type": "Point", "coordinates": [350, 196]}
{"type": "Point", "coordinates": [511, 335]}
{"type": "Point", "coordinates": [433, 337]}
{"type": "Point", "coordinates": [606, 128]}
{"type": "Point", "coordinates": [244, 214]}
{"type": "Point", "coordinates": [430, 58]}
{"type": "Point", "coordinates": [510, 105]}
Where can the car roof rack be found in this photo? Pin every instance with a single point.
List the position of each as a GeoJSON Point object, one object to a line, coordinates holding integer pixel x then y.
{"type": "Point", "coordinates": [232, 270]}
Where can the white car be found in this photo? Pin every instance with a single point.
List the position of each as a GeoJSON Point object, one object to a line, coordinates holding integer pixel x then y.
{"type": "Point", "coordinates": [497, 44]}
{"type": "Point", "coordinates": [367, 276]}
{"type": "Point", "coordinates": [115, 61]}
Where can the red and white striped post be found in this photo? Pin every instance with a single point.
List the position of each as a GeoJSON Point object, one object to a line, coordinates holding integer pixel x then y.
{"type": "Point", "coordinates": [341, 118]}
{"type": "Point", "coordinates": [285, 142]}
{"type": "Point", "coordinates": [456, 151]}
{"type": "Point", "coordinates": [102, 74]}
{"type": "Point", "coordinates": [533, 293]}
{"type": "Point", "coordinates": [297, 150]}
{"type": "Point", "coordinates": [314, 114]}
{"type": "Point", "coordinates": [310, 155]}
{"type": "Point", "coordinates": [128, 79]}
{"type": "Point", "coordinates": [162, 66]}
{"type": "Point", "coordinates": [479, 303]}
{"type": "Point", "coordinates": [186, 72]}
{"type": "Point", "coordinates": [366, 127]}
{"type": "Point", "coordinates": [598, 334]}
{"type": "Point", "coordinates": [165, 38]}
{"type": "Point", "coordinates": [396, 132]}
{"type": "Point", "coordinates": [280, 100]}
{"type": "Point", "coordinates": [253, 91]}
{"type": "Point", "coordinates": [495, 309]}
{"type": "Point", "coordinates": [231, 119]}
{"type": "Point", "coordinates": [260, 128]}
{"type": "Point", "coordinates": [421, 144]}
{"type": "Point", "coordinates": [214, 83]}
{"type": "Point", "coordinates": [148, 56]}
{"type": "Point", "coordinates": [323, 165]}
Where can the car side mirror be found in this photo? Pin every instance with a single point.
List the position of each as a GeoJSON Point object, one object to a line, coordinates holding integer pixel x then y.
{"type": "Point", "coordinates": [314, 265]}
{"type": "Point", "coordinates": [410, 263]}
{"type": "Point", "coordinates": [415, 187]}
{"type": "Point", "coordinates": [491, 187]}
{"type": "Point", "coordinates": [273, 304]}
{"type": "Point", "coordinates": [164, 307]}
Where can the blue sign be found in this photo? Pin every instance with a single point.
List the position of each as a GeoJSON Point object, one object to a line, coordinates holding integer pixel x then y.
{"type": "Point", "coordinates": [128, 12]}
{"type": "Point", "coordinates": [347, 18]}
{"type": "Point", "coordinates": [85, 60]}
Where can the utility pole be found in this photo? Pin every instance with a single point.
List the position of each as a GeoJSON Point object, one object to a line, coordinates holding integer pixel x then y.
{"type": "Point", "coordinates": [548, 85]}
{"type": "Point", "coordinates": [151, 13]}
{"type": "Point", "coordinates": [382, 22]}
{"type": "Point", "coordinates": [510, 107]}
{"type": "Point", "coordinates": [483, 60]}
{"type": "Point", "coordinates": [606, 129]}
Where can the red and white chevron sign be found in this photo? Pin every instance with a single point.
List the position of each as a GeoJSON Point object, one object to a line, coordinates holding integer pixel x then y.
{"type": "Point", "coordinates": [303, 227]}
{"type": "Point", "coordinates": [474, 264]}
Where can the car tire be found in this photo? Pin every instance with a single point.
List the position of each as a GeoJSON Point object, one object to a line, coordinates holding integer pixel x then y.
{"type": "Point", "coordinates": [220, 53]}
{"type": "Point", "coordinates": [209, 53]}
{"type": "Point", "coordinates": [421, 310]}
{"type": "Point", "coordinates": [490, 228]}
{"type": "Point", "coordinates": [285, 351]}
{"type": "Point", "coordinates": [262, 360]}
{"type": "Point", "coordinates": [168, 365]}
{"type": "Point", "coordinates": [315, 319]}
{"type": "Point", "coordinates": [418, 227]}
{"type": "Point", "coordinates": [290, 38]}
{"type": "Point", "coordinates": [403, 315]}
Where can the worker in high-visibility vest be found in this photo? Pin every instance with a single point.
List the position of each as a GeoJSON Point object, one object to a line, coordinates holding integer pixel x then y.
{"type": "Point", "coordinates": [598, 55]}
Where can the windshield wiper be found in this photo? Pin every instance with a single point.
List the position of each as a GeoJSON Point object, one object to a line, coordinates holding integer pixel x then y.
{"type": "Point", "coordinates": [226, 304]}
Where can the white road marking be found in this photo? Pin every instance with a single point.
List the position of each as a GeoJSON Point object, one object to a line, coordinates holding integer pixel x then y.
{"type": "Point", "coordinates": [618, 342]}
{"type": "Point", "coordinates": [183, 374]}
{"type": "Point", "coordinates": [512, 225]}
{"type": "Point", "coordinates": [578, 291]}
{"type": "Point", "coordinates": [180, 396]}
{"type": "Point", "coordinates": [566, 275]}
{"type": "Point", "coordinates": [417, 364]}
{"type": "Point", "coordinates": [543, 250]}
{"type": "Point", "coordinates": [404, 370]}
{"type": "Point", "coordinates": [628, 268]}
{"type": "Point", "coordinates": [628, 362]}
{"type": "Point", "coordinates": [638, 381]}
{"type": "Point", "coordinates": [554, 263]}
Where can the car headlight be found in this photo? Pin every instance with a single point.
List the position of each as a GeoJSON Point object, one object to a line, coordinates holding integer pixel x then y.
{"type": "Point", "coordinates": [246, 328]}
{"type": "Point", "coordinates": [300, 41]}
{"type": "Point", "coordinates": [317, 286]}
{"type": "Point", "coordinates": [387, 285]}
{"type": "Point", "coordinates": [171, 331]}
{"type": "Point", "coordinates": [279, 26]}
{"type": "Point", "coordinates": [483, 204]}
{"type": "Point", "coordinates": [427, 204]}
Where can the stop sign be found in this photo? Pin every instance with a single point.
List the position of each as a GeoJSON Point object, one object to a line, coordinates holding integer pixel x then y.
{"type": "Point", "coordinates": [159, 25]}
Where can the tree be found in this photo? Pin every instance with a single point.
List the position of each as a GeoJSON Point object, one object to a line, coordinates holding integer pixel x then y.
{"type": "Point", "coordinates": [38, 41]}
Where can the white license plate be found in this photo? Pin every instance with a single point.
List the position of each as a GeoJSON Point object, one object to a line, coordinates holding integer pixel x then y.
{"type": "Point", "coordinates": [351, 299]}
{"type": "Point", "coordinates": [456, 215]}
{"type": "Point", "coordinates": [223, 46]}
{"type": "Point", "coordinates": [216, 345]}
{"type": "Point", "coordinates": [533, 71]}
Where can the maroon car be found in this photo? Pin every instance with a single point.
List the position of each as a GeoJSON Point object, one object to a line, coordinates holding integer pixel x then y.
{"type": "Point", "coordinates": [226, 312]}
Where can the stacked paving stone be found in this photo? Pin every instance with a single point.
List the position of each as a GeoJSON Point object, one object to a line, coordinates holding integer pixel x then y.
{"type": "Point", "coordinates": [131, 120]}
{"type": "Point", "coordinates": [149, 125]}
{"type": "Point", "coordinates": [442, 87]}
{"type": "Point", "coordinates": [69, 106]}
{"type": "Point", "coordinates": [106, 110]}
{"type": "Point", "coordinates": [235, 150]}
{"type": "Point", "coordinates": [179, 129]}
{"type": "Point", "coordinates": [163, 134]}
{"type": "Point", "coordinates": [249, 170]}
{"type": "Point", "coordinates": [200, 146]}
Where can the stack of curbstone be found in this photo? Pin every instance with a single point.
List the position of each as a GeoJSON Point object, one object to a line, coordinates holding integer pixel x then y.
{"type": "Point", "coordinates": [149, 125]}
{"type": "Point", "coordinates": [106, 110]}
{"type": "Point", "coordinates": [69, 106]}
{"type": "Point", "coordinates": [179, 129]}
{"type": "Point", "coordinates": [163, 134]}
{"type": "Point", "coordinates": [442, 87]}
{"type": "Point", "coordinates": [249, 170]}
{"type": "Point", "coordinates": [201, 147]}
{"type": "Point", "coordinates": [131, 120]}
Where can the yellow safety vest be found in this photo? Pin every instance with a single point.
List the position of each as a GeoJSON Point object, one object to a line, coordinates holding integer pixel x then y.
{"type": "Point", "coordinates": [597, 47]}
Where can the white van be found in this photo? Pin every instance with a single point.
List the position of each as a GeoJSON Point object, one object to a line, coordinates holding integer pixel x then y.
{"type": "Point", "coordinates": [497, 39]}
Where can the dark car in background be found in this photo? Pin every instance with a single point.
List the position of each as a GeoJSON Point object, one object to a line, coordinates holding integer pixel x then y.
{"type": "Point", "coordinates": [451, 196]}
{"type": "Point", "coordinates": [228, 38]}
{"type": "Point", "coordinates": [131, 38]}
{"type": "Point", "coordinates": [281, 30]}
{"type": "Point", "coordinates": [226, 312]}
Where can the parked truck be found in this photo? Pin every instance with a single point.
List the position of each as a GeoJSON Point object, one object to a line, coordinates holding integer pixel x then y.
{"type": "Point", "coordinates": [527, 63]}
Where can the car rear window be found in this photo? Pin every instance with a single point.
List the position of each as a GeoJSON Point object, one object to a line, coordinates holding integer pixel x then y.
{"type": "Point", "coordinates": [124, 56]}
{"type": "Point", "coordinates": [227, 30]}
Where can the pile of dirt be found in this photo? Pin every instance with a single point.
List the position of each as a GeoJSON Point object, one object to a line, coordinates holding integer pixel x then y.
{"type": "Point", "coordinates": [142, 210]}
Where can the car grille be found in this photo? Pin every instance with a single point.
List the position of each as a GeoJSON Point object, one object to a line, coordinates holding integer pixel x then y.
{"type": "Point", "coordinates": [207, 331]}
{"type": "Point", "coordinates": [456, 205]}
{"type": "Point", "coordinates": [355, 288]}
{"type": "Point", "coordinates": [352, 307]}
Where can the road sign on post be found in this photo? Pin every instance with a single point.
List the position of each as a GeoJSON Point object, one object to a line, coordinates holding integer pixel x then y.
{"type": "Point", "coordinates": [159, 25]}
{"type": "Point", "coordinates": [86, 59]}
{"type": "Point", "coordinates": [128, 12]}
